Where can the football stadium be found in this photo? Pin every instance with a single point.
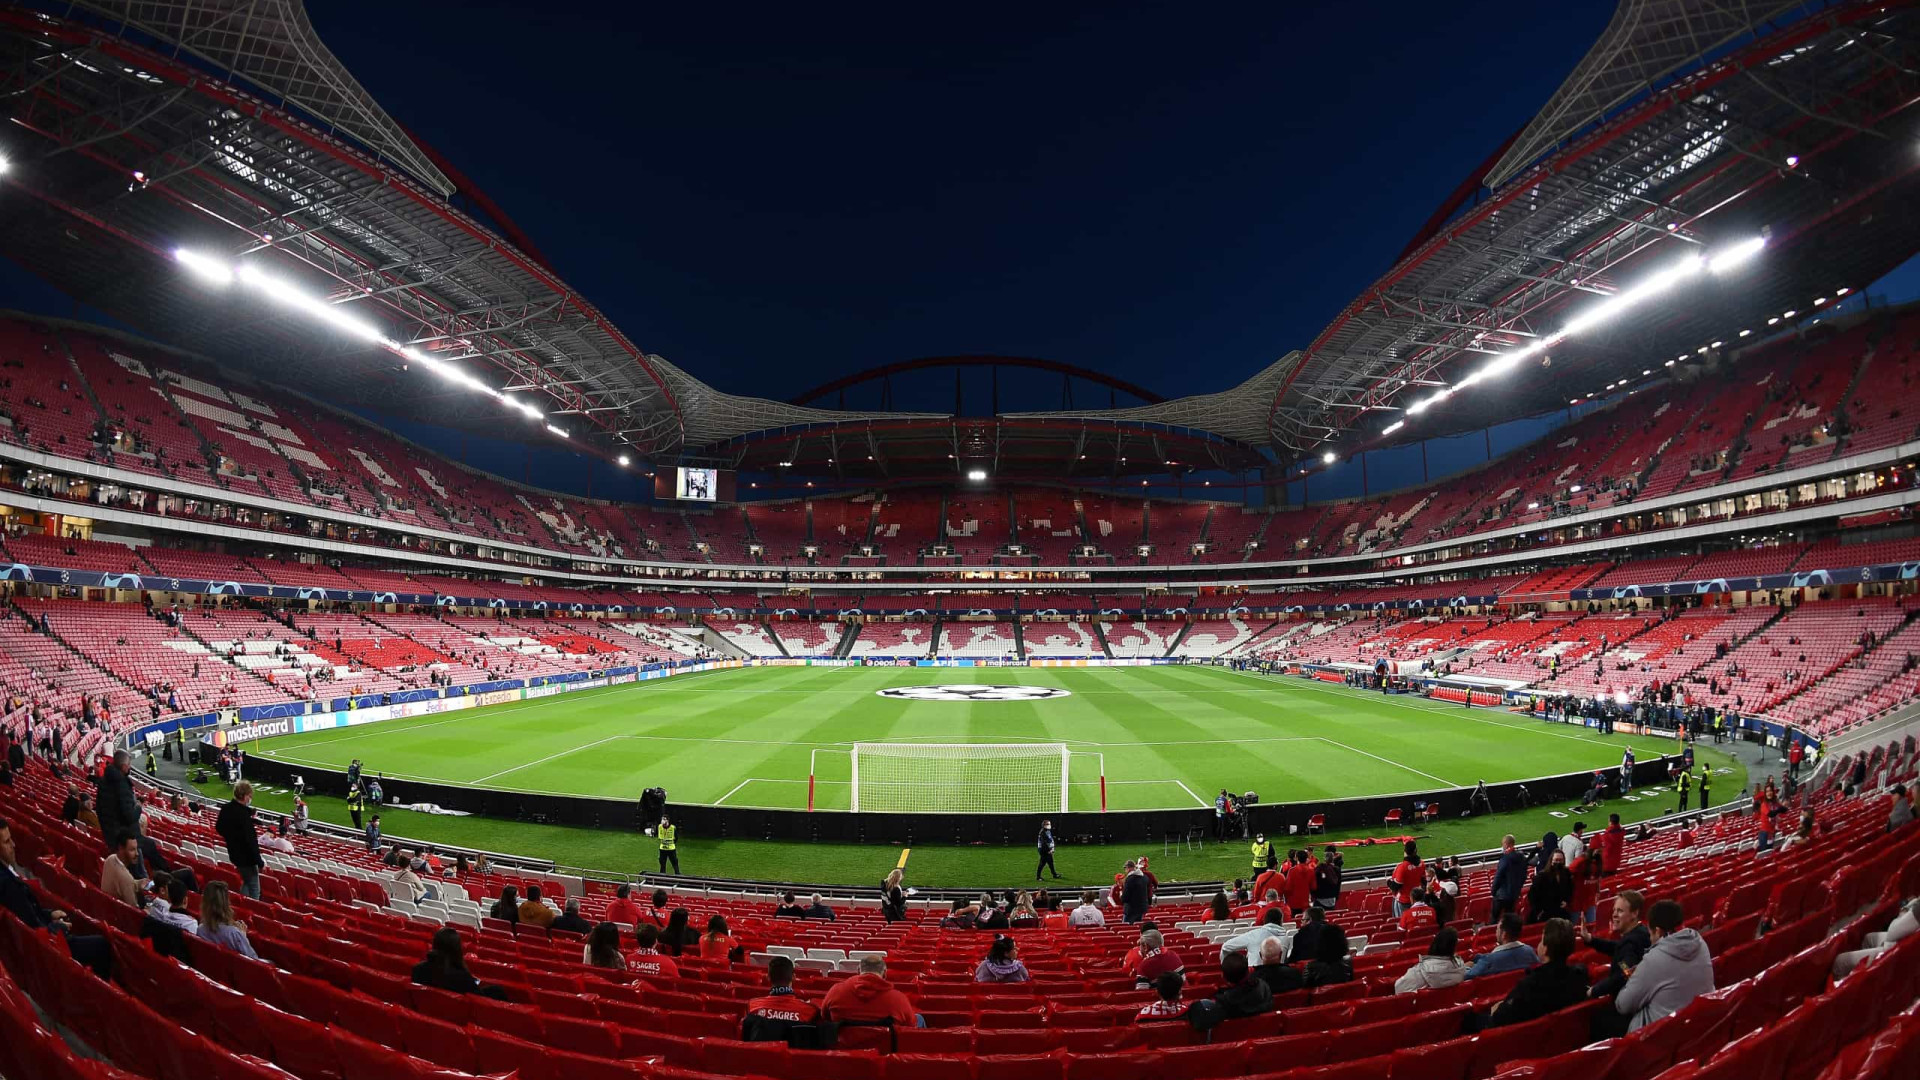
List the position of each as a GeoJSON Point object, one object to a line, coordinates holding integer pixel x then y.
{"type": "Point", "coordinates": [948, 661]}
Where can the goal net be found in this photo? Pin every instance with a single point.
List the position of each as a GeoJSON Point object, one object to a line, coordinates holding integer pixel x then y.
{"type": "Point", "coordinates": [960, 778]}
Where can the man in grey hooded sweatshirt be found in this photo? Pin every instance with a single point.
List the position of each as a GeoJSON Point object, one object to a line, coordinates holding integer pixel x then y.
{"type": "Point", "coordinates": [1675, 970]}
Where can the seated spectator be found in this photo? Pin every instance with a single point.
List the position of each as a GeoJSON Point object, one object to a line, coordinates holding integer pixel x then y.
{"type": "Point", "coordinates": [217, 923]}
{"type": "Point", "coordinates": [1307, 939]}
{"type": "Point", "coordinates": [1800, 835]}
{"type": "Point", "coordinates": [1167, 1005]}
{"type": "Point", "coordinates": [868, 997]}
{"type": "Point", "coordinates": [1272, 925]}
{"type": "Point", "coordinates": [1330, 963]}
{"type": "Point", "coordinates": [1903, 926]}
{"type": "Point", "coordinates": [660, 912]}
{"type": "Point", "coordinates": [1240, 993]}
{"type": "Point", "coordinates": [789, 908]}
{"type": "Point", "coordinates": [991, 913]}
{"type": "Point", "coordinates": [718, 942]}
{"type": "Point", "coordinates": [1002, 964]}
{"type": "Point", "coordinates": [171, 909]}
{"type": "Point", "coordinates": [1900, 813]}
{"type": "Point", "coordinates": [409, 886]}
{"type": "Point", "coordinates": [445, 967]}
{"type": "Point", "coordinates": [1155, 959]}
{"type": "Point", "coordinates": [92, 950]}
{"type": "Point", "coordinates": [1677, 969]}
{"type": "Point", "coordinates": [534, 911]}
{"type": "Point", "coordinates": [1509, 952]}
{"type": "Point", "coordinates": [1088, 913]}
{"type": "Point", "coordinates": [117, 872]}
{"type": "Point", "coordinates": [622, 911]}
{"type": "Point", "coordinates": [154, 861]}
{"type": "Point", "coordinates": [1439, 968]}
{"type": "Point", "coordinates": [1274, 970]}
{"type": "Point", "coordinates": [1630, 942]}
{"type": "Point", "coordinates": [1419, 915]}
{"type": "Point", "coordinates": [1269, 901]}
{"type": "Point", "coordinates": [1551, 986]}
{"type": "Point", "coordinates": [507, 908]}
{"type": "Point", "coordinates": [570, 919]}
{"type": "Point", "coordinates": [647, 958]}
{"type": "Point", "coordinates": [1218, 910]}
{"type": "Point", "coordinates": [819, 910]}
{"type": "Point", "coordinates": [603, 946]}
{"type": "Point", "coordinates": [1022, 916]}
{"type": "Point", "coordinates": [677, 935]}
{"type": "Point", "coordinates": [771, 1016]}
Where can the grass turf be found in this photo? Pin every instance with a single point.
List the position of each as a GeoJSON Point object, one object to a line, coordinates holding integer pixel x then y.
{"type": "Point", "coordinates": [744, 738]}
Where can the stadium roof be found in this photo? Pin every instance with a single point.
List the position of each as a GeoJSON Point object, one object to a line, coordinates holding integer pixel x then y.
{"type": "Point", "coordinates": [225, 127]}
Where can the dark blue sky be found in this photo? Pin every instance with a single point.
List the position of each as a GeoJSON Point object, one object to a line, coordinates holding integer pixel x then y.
{"type": "Point", "coordinates": [1172, 193]}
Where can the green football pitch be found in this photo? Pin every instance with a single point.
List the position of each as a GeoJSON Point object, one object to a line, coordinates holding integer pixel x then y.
{"type": "Point", "coordinates": [1167, 737]}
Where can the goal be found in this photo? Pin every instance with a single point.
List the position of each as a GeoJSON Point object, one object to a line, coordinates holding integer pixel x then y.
{"type": "Point", "coordinates": [961, 778]}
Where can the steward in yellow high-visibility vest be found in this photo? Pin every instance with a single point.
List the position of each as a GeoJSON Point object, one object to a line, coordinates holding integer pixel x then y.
{"type": "Point", "coordinates": [669, 844]}
{"type": "Point", "coordinates": [1262, 851]}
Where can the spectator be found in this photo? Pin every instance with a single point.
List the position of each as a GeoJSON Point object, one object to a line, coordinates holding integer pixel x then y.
{"type": "Point", "coordinates": [217, 923]}
{"type": "Point", "coordinates": [1299, 890]}
{"type": "Point", "coordinates": [771, 1016]}
{"type": "Point", "coordinates": [1509, 878]}
{"type": "Point", "coordinates": [1549, 987]}
{"type": "Point", "coordinates": [1586, 887]}
{"type": "Point", "coordinates": [1240, 993]}
{"type": "Point", "coordinates": [534, 911]}
{"type": "Point", "coordinates": [1307, 940]}
{"type": "Point", "coordinates": [235, 826]}
{"type": "Point", "coordinates": [171, 909]}
{"type": "Point", "coordinates": [1613, 845]}
{"type": "Point", "coordinates": [603, 947]}
{"type": "Point", "coordinates": [1330, 963]}
{"type": "Point", "coordinates": [1552, 890]}
{"type": "Point", "coordinates": [819, 910]}
{"type": "Point", "coordinates": [1900, 814]}
{"type": "Point", "coordinates": [718, 943]}
{"type": "Point", "coordinates": [789, 908]}
{"type": "Point", "coordinates": [1407, 877]}
{"type": "Point", "coordinates": [1326, 879]}
{"type": "Point", "coordinates": [117, 872]}
{"type": "Point", "coordinates": [647, 958]}
{"type": "Point", "coordinates": [17, 897]}
{"type": "Point", "coordinates": [1272, 925]}
{"type": "Point", "coordinates": [1167, 1005]}
{"type": "Point", "coordinates": [677, 935]}
{"type": "Point", "coordinates": [1438, 968]}
{"type": "Point", "coordinates": [1509, 952]}
{"type": "Point", "coordinates": [1800, 835]}
{"type": "Point", "coordinates": [1418, 916]}
{"type": "Point", "coordinates": [1269, 901]}
{"type": "Point", "coordinates": [1903, 926]}
{"type": "Point", "coordinates": [622, 911]}
{"type": "Point", "coordinates": [1002, 964]}
{"type": "Point", "coordinates": [1088, 913]}
{"type": "Point", "coordinates": [1218, 910]}
{"type": "Point", "coordinates": [411, 887]}
{"type": "Point", "coordinates": [658, 902]}
{"type": "Point", "coordinates": [1135, 895]}
{"type": "Point", "coordinates": [570, 919]}
{"type": "Point", "coordinates": [869, 997]}
{"type": "Point", "coordinates": [1155, 959]}
{"type": "Point", "coordinates": [85, 816]}
{"type": "Point", "coordinates": [893, 899]}
{"type": "Point", "coordinates": [507, 908]}
{"type": "Point", "coordinates": [113, 797]}
{"type": "Point", "coordinates": [1676, 969]}
{"type": "Point", "coordinates": [1574, 844]}
{"type": "Point", "coordinates": [445, 968]}
{"type": "Point", "coordinates": [1022, 916]}
{"type": "Point", "coordinates": [373, 834]}
{"type": "Point", "coordinates": [1274, 970]}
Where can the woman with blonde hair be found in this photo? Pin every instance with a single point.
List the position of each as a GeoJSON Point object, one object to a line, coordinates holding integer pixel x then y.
{"type": "Point", "coordinates": [893, 899]}
{"type": "Point", "coordinates": [217, 923]}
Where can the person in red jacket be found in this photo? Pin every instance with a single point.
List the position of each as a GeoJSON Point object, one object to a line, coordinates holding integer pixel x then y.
{"type": "Point", "coordinates": [1613, 845]}
{"type": "Point", "coordinates": [623, 910]}
{"type": "Point", "coordinates": [646, 960]}
{"type": "Point", "coordinates": [869, 997]}
{"type": "Point", "coordinates": [771, 1015]}
{"type": "Point", "coordinates": [1419, 914]}
{"type": "Point", "coordinates": [1299, 892]}
{"type": "Point", "coordinates": [1407, 876]}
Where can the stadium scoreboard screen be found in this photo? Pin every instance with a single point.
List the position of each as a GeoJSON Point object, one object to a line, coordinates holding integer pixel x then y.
{"type": "Point", "coordinates": [694, 485]}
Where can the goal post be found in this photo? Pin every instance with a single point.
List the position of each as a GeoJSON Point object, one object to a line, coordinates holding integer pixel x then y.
{"type": "Point", "coordinates": [960, 777]}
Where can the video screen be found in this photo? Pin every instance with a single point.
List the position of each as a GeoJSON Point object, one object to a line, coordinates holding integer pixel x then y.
{"type": "Point", "coordinates": [698, 485]}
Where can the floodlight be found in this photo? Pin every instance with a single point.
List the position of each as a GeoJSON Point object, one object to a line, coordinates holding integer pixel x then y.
{"type": "Point", "coordinates": [1327, 458]}
{"type": "Point", "coordinates": [1733, 257]}
{"type": "Point", "coordinates": [1575, 489]}
{"type": "Point", "coordinates": [556, 431]}
{"type": "Point", "coordinates": [210, 270]}
{"type": "Point", "coordinates": [319, 309]}
{"type": "Point", "coordinates": [1393, 427]}
{"type": "Point", "coordinates": [4, 166]}
{"type": "Point", "coordinates": [976, 474]}
{"type": "Point", "coordinates": [1842, 291]}
{"type": "Point", "coordinates": [623, 461]}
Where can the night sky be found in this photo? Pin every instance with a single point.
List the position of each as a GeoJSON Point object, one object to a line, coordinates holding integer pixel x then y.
{"type": "Point", "coordinates": [1173, 194]}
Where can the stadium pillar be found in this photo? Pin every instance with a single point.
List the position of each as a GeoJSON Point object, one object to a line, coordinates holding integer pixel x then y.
{"type": "Point", "coordinates": [1363, 474]}
{"type": "Point", "coordinates": [1423, 461]}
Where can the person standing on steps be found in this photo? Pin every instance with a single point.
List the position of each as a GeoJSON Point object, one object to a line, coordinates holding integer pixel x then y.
{"type": "Point", "coordinates": [1045, 844]}
{"type": "Point", "coordinates": [1706, 785]}
{"type": "Point", "coordinates": [669, 845]}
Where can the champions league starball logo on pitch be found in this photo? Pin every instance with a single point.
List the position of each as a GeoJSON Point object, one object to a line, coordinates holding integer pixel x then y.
{"type": "Point", "coordinates": [972, 692]}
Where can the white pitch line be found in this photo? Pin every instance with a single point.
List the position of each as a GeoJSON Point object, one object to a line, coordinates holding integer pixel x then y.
{"type": "Point", "coordinates": [735, 791]}
{"type": "Point", "coordinates": [549, 757]}
{"type": "Point", "coordinates": [1183, 787]}
{"type": "Point", "coordinates": [1391, 762]}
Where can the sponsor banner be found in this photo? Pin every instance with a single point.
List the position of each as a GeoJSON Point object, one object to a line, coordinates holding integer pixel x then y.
{"type": "Point", "coordinates": [945, 661]}
{"type": "Point", "coordinates": [1799, 579]}
{"type": "Point", "coordinates": [629, 676]}
{"type": "Point", "coordinates": [1078, 661]}
{"type": "Point", "coordinates": [249, 732]}
{"type": "Point", "coordinates": [780, 661]}
{"type": "Point", "coordinates": [495, 697]}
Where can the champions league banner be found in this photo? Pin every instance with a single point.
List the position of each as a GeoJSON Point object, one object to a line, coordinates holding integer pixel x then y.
{"type": "Point", "coordinates": [1799, 579]}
